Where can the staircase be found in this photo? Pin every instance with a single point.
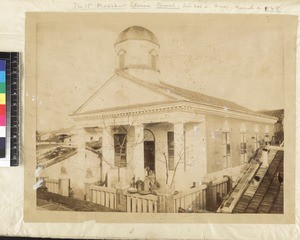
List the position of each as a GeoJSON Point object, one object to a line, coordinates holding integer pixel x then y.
{"type": "Point", "coordinates": [249, 193]}
{"type": "Point", "coordinates": [264, 196]}
{"type": "Point", "coordinates": [267, 192]}
{"type": "Point", "coordinates": [228, 205]}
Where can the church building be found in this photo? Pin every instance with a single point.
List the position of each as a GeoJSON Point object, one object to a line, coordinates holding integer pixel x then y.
{"type": "Point", "coordinates": [144, 126]}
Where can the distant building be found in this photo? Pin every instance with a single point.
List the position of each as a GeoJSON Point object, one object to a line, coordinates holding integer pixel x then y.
{"type": "Point", "coordinates": [278, 137]}
{"type": "Point", "coordinates": [47, 137]}
{"type": "Point", "coordinates": [146, 126]}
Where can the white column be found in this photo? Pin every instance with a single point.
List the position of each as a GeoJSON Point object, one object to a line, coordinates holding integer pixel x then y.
{"type": "Point", "coordinates": [81, 139]}
{"type": "Point", "coordinates": [179, 156]}
{"type": "Point", "coordinates": [179, 153]}
{"type": "Point", "coordinates": [77, 176]}
{"type": "Point", "coordinates": [138, 152]}
{"type": "Point", "coordinates": [107, 153]}
{"type": "Point", "coordinates": [202, 150]}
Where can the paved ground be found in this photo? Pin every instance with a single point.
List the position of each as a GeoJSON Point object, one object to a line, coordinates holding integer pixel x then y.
{"type": "Point", "coordinates": [46, 205]}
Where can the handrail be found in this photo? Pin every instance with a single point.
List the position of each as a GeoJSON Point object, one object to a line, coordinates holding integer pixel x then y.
{"type": "Point", "coordinates": [219, 181]}
{"type": "Point", "coordinates": [190, 191]}
{"type": "Point", "coordinates": [101, 188]}
{"type": "Point", "coordinates": [137, 203]}
{"type": "Point", "coordinates": [104, 196]}
{"type": "Point", "coordinates": [146, 197]}
{"type": "Point", "coordinates": [52, 180]}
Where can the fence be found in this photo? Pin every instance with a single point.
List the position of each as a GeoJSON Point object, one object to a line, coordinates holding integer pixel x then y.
{"type": "Point", "coordinates": [58, 186]}
{"type": "Point", "coordinates": [191, 200]}
{"type": "Point", "coordinates": [104, 196]}
{"type": "Point", "coordinates": [203, 198]}
{"type": "Point", "coordinates": [52, 185]}
{"type": "Point", "coordinates": [206, 197]}
{"type": "Point", "coordinates": [137, 203]}
{"type": "Point", "coordinates": [216, 191]}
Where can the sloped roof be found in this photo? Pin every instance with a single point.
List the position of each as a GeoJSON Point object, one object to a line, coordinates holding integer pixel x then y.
{"type": "Point", "coordinates": [268, 197]}
{"type": "Point", "coordinates": [202, 98]}
{"type": "Point", "coordinates": [178, 94]}
{"type": "Point", "coordinates": [193, 96]}
{"type": "Point", "coordinates": [275, 113]}
{"type": "Point", "coordinates": [61, 156]}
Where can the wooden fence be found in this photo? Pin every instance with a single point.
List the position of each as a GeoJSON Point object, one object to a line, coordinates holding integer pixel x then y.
{"type": "Point", "coordinates": [215, 192]}
{"type": "Point", "coordinates": [137, 203]}
{"type": "Point", "coordinates": [104, 196]}
{"type": "Point", "coordinates": [58, 186]}
{"type": "Point", "coordinates": [192, 200]}
{"type": "Point", "coordinates": [206, 197]}
{"type": "Point", "coordinates": [52, 185]}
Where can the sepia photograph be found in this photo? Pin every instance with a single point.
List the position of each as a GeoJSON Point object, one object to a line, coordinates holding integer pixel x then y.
{"type": "Point", "coordinates": [146, 113]}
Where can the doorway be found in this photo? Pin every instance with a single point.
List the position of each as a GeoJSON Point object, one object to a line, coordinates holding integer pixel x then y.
{"type": "Point", "coordinates": [149, 155]}
{"type": "Point", "coordinates": [149, 151]}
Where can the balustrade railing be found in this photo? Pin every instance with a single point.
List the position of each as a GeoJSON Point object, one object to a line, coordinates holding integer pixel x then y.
{"type": "Point", "coordinates": [137, 203]}
{"type": "Point", "coordinates": [192, 200]}
{"type": "Point", "coordinates": [104, 196]}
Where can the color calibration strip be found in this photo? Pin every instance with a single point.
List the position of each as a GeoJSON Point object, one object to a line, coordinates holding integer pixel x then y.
{"type": "Point", "coordinates": [2, 108]}
{"type": "Point", "coordinates": [9, 109]}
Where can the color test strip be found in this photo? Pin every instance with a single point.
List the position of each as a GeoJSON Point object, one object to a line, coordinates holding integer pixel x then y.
{"type": "Point", "coordinates": [2, 108]}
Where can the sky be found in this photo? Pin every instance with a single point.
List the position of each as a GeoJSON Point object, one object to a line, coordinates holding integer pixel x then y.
{"type": "Point", "coordinates": [237, 59]}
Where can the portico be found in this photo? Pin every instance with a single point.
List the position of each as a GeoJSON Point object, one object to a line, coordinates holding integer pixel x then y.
{"type": "Point", "coordinates": [130, 145]}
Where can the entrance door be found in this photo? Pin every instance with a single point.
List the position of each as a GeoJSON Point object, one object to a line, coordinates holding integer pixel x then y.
{"type": "Point", "coordinates": [149, 155]}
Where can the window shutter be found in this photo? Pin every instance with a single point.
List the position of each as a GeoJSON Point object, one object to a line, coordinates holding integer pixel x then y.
{"type": "Point", "coordinates": [228, 149]}
{"type": "Point", "coordinates": [122, 61]}
{"type": "Point", "coordinates": [171, 151]}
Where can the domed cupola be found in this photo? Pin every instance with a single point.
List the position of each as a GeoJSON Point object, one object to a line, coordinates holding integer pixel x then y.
{"type": "Point", "coordinates": [136, 52]}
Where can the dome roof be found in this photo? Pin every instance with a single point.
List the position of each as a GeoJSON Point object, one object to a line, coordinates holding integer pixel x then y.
{"type": "Point", "coordinates": [136, 33]}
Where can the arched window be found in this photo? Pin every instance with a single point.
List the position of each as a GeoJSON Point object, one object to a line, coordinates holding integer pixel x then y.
{"type": "Point", "coordinates": [243, 143]}
{"type": "Point", "coordinates": [121, 61]}
{"type": "Point", "coordinates": [267, 135]}
{"type": "Point", "coordinates": [267, 130]}
{"type": "Point", "coordinates": [226, 145]}
{"type": "Point", "coordinates": [256, 137]}
{"type": "Point", "coordinates": [243, 147]}
{"type": "Point", "coordinates": [121, 55]}
{"type": "Point", "coordinates": [153, 62]}
{"type": "Point", "coordinates": [153, 55]}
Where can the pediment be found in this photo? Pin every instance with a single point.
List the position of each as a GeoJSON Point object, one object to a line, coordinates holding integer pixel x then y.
{"type": "Point", "coordinates": [122, 92]}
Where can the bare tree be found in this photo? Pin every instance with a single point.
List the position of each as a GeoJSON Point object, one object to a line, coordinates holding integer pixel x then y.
{"type": "Point", "coordinates": [165, 161]}
{"type": "Point", "coordinates": [119, 144]}
{"type": "Point", "coordinates": [180, 158]}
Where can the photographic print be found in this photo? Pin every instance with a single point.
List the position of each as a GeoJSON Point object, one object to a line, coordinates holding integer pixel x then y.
{"type": "Point", "coordinates": [159, 114]}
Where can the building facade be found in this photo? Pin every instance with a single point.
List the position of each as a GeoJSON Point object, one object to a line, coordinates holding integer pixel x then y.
{"type": "Point", "coordinates": [146, 127]}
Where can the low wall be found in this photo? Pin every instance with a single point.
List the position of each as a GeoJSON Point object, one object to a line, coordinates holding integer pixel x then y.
{"type": "Point", "coordinates": [104, 196]}
{"type": "Point", "coordinates": [191, 200]}
{"type": "Point", "coordinates": [58, 186]}
{"type": "Point", "coordinates": [137, 203]}
{"type": "Point", "coordinates": [71, 203]}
